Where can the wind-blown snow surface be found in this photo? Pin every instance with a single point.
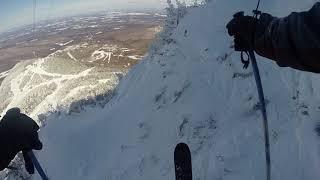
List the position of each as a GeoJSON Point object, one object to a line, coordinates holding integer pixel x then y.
{"type": "Point", "coordinates": [193, 89]}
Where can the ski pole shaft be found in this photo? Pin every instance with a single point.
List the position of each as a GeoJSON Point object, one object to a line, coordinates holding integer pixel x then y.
{"type": "Point", "coordinates": [37, 165]}
{"type": "Point", "coordinates": [264, 112]}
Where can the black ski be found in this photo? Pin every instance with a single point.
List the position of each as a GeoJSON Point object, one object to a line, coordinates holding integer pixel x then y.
{"type": "Point", "coordinates": [182, 162]}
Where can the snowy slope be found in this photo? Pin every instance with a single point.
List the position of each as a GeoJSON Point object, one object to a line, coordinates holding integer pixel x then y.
{"type": "Point", "coordinates": [192, 88]}
{"type": "Point", "coordinates": [46, 84]}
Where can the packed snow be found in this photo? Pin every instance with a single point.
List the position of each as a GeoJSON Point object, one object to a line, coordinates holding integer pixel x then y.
{"type": "Point", "coordinates": [192, 88]}
{"type": "Point", "coordinates": [64, 44]}
{"type": "Point", "coordinates": [135, 57]}
{"type": "Point", "coordinates": [138, 14]}
{"type": "Point", "coordinates": [71, 56]}
{"type": "Point", "coordinates": [4, 74]}
{"type": "Point", "coordinates": [100, 54]}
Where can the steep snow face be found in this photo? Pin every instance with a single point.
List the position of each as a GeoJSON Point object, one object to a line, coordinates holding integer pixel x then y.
{"type": "Point", "coordinates": [192, 88]}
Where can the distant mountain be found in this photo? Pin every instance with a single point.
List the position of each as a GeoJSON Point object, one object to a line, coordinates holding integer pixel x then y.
{"type": "Point", "coordinates": [44, 85]}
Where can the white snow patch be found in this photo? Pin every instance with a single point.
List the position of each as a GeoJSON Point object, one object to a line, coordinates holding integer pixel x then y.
{"type": "Point", "coordinates": [104, 53]}
{"type": "Point", "coordinates": [104, 80]}
{"type": "Point", "coordinates": [135, 57]}
{"type": "Point", "coordinates": [33, 40]}
{"type": "Point", "coordinates": [138, 14]}
{"type": "Point", "coordinates": [64, 44]}
{"type": "Point", "coordinates": [4, 74]}
{"type": "Point", "coordinates": [100, 54]}
{"type": "Point", "coordinates": [62, 29]}
{"type": "Point", "coordinates": [19, 43]}
{"type": "Point", "coordinates": [71, 56]}
{"type": "Point", "coordinates": [161, 15]}
{"type": "Point", "coordinates": [93, 26]}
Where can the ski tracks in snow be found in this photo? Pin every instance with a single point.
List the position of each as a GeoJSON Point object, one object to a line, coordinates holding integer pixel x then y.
{"type": "Point", "coordinates": [19, 93]}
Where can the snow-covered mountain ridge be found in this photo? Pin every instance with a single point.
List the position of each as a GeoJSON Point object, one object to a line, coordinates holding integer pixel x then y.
{"type": "Point", "coordinates": [44, 85]}
{"type": "Point", "coordinates": [192, 88]}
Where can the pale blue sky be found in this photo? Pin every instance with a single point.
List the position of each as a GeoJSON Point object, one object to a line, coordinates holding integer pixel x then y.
{"type": "Point", "coordinates": [18, 12]}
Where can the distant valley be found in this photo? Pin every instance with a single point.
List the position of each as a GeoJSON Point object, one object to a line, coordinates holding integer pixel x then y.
{"type": "Point", "coordinates": [73, 61]}
{"type": "Point", "coordinates": [112, 39]}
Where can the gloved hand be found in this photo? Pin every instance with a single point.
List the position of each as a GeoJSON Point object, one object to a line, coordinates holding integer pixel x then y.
{"type": "Point", "coordinates": [18, 132]}
{"type": "Point", "coordinates": [242, 28]}
{"type": "Point", "coordinates": [33, 142]}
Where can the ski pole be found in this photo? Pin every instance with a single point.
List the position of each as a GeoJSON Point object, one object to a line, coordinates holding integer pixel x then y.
{"type": "Point", "coordinates": [38, 166]}
{"type": "Point", "coordinates": [257, 77]}
{"type": "Point", "coordinates": [263, 110]}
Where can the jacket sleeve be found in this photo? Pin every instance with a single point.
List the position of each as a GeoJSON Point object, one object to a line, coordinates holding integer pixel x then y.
{"type": "Point", "coordinates": [292, 41]}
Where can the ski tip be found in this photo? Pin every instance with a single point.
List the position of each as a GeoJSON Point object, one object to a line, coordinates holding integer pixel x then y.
{"type": "Point", "coordinates": [182, 162]}
{"type": "Point", "coordinates": [181, 146]}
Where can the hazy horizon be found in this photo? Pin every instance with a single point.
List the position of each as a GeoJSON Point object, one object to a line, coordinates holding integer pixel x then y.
{"type": "Point", "coordinates": [16, 13]}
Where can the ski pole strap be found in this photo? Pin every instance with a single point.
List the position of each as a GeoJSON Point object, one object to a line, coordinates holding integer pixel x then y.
{"type": "Point", "coordinates": [263, 111]}
{"type": "Point", "coordinates": [37, 165]}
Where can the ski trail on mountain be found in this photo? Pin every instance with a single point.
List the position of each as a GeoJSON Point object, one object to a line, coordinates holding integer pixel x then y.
{"type": "Point", "coordinates": [36, 69]}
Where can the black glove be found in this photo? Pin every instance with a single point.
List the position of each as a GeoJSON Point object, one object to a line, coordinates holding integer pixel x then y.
{"type": "Point", "coordinates": [18, 132]}
{"type": "Point", "coordinates": [242, 28]}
